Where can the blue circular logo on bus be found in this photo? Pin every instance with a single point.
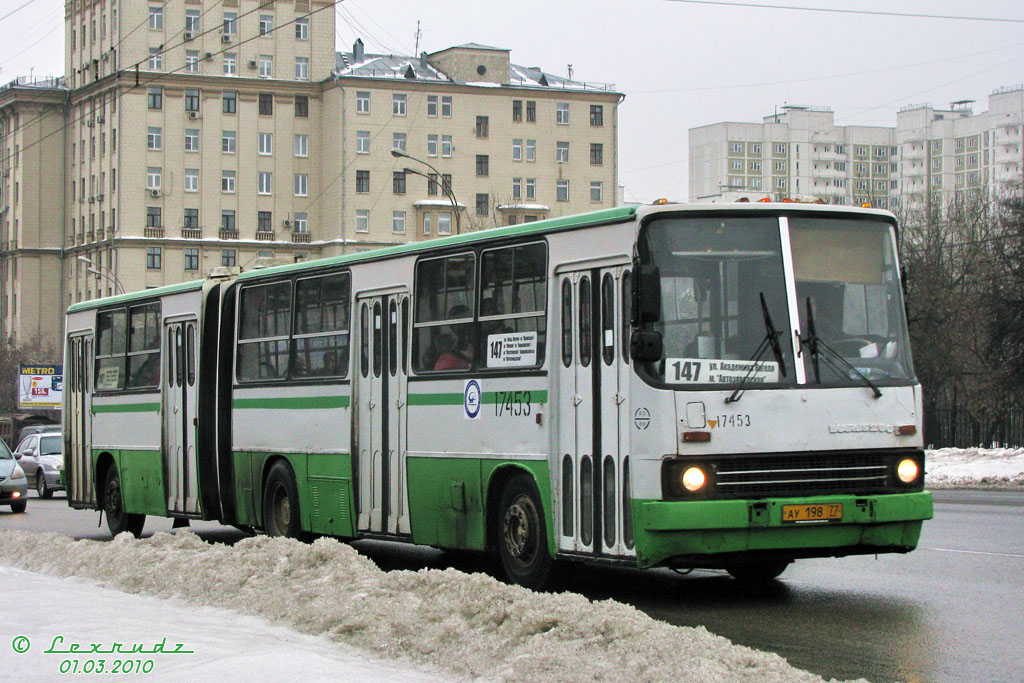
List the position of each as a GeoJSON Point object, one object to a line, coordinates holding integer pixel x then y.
{"type": "Point", "coordinates": [471, 399]}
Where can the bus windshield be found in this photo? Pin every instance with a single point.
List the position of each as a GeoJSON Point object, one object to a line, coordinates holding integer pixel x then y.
{"type": "Point", "coordinates": [714, 272]}
{"type": "Point", "coordinates": [724, 289]}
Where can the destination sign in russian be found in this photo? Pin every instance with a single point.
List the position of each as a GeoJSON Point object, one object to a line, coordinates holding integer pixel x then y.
{"type": "Point", "coordinates": [719, 371]}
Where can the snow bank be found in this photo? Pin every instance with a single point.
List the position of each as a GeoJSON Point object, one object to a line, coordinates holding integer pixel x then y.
{"type": "Point", "coordinates": [974, 468]}
{"type": "Point", "coordinates": [468, 625]}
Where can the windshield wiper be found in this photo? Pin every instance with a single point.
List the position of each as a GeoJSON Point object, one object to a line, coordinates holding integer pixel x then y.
{"type": "Point", "coordinates": [770, 341]}
{"type": "Point", "coordinates": [815, 344]}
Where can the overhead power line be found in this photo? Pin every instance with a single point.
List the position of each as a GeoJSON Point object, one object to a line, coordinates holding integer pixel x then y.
{"type": "Point", "coordinates": [836, 10]}
{"type": "Point", "coordinates": [17, 9]}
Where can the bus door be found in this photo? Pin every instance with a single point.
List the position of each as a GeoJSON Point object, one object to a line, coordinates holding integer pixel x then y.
{"type": "Point", "coordinates": [78, 422]}
{"type": "Point", "coordinates": [179, 416]}
{"type": "Point", "coordinates": [381, 412]}
{"type": "Point", "coordinates": [591, 399]}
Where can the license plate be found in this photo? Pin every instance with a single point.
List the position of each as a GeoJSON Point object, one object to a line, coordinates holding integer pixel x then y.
{"type": "Point", "coordinates": [813, 512]}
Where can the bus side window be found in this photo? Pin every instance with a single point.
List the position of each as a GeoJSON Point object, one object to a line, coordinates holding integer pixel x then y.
{"type": "Point", "coordinates": [586, 316]}
{"type": "Point", "coordinates": [320, 334]}
{"type": "Point", "coordinates": [627, 313]}
{"type": "Point", "coordinates": [443, 330]}
{"type": "Point", "coordinates": [566, 322]}
{"type": "Point", "coordinates": [110, 349]}
{"type": "Point", "coordinates": [607, 319]}
{"type": "Point", "coordinates": [264, 323]}
{"type": "Point", "coordinates": [364, 340]}
{"type": "Point", "coordinates": [513, 306]}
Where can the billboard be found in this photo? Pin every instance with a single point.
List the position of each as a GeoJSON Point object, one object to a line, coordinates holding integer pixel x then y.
{"type": "Point", "coordinates": [40, 386]}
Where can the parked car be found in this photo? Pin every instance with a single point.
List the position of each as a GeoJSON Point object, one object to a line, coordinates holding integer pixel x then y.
{"type": "Point", "coordinates": [13, 484]}
{"type": "Point", "coordinates": [41, 456]}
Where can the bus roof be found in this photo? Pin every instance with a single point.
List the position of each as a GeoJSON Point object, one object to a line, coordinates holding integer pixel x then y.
{"type": "Point", "coordinates": [134, 296]}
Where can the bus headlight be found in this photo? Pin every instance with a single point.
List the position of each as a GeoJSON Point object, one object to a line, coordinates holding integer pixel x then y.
{"type": "Point", "coordinates": [694, 479]}
{"type": "Point", "coordinates": [908, 471]}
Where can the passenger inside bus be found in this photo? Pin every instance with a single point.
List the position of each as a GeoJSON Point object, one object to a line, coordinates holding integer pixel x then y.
{"type": "Point", "coordinates": [456, 346]}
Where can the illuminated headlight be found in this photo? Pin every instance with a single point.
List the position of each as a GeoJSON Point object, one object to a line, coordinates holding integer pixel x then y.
{"type": "Point", "coordinates": [908, 470]}
{"type": "Point", "coordinates": [694, 479]}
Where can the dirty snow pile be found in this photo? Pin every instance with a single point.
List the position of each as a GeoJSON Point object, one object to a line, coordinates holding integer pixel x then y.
{"type": "Point", "coordinates": [466, 625]}
{"type": "Point", "coordinates": [974, 468]}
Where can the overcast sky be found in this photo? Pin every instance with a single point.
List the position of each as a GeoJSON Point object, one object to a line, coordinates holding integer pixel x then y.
{"type": "Point", "coordinates": [679, 64]}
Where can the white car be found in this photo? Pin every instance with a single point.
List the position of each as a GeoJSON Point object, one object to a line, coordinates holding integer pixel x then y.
{"type": "Point", "coordinates": [41, 456]}
{"type": "Point", "coordinates": [13, 485]}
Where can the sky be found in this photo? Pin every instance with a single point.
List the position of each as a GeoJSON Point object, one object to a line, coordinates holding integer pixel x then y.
{"type": "Point", "coordinates": [680, 64]}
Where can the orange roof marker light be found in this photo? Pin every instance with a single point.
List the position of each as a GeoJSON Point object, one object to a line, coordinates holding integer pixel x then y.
{"type": "Point", "coordinates": [661, 201]}
{"type": "Point", "coordinates": [764, 200]}
{"type": "Point", "coordinates": [865, 205]}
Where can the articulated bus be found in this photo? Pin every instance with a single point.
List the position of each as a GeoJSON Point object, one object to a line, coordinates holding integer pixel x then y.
{"type": "Point", "coordinates": [724, 386]}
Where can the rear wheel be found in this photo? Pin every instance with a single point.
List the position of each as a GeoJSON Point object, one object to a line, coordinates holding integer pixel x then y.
{"type": "Point", "coordinates": [41, 488]}
{"type": "Point", "coordinates": [19, 506]}
{"type": "Point", "coordinates": [281, 503]}
{"type": "Point", "coordinates": [118, 520]}
{"type": "Point", "coordinates": [758, 571]}
{"type": "Point", "coordinates": [522, 535]}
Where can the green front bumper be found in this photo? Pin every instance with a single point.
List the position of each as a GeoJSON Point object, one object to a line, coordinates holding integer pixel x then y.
{"type": "Point", "coordinates": [713, 532]}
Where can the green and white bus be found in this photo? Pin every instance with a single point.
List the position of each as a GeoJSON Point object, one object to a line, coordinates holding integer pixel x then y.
{"type": "Point", "coordinates": [724, 386]}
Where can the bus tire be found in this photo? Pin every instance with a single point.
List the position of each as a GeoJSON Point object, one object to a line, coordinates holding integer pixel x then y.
{"type": "Point", "coordinates": [281, 503]}
{"type": "Point", "coordinates": [522, 534]}
{"type": "Point", "coordinates": [118, 520]}
{"type": "Point", "coordinates": [758, 571]}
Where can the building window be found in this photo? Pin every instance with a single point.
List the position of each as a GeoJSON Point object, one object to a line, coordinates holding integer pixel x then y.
{"type": "Point", "coordinates": [780, 166]}
{"type": "Point", "coordinates": [301, 145]}
{"type": "Point", "coordinates": [398, 141]}
{"type": "Point", "coordinates": [227, 181]}
{"type": "Point", "coordinates": [562, 191]}
{"type": "Point", "coordinates": [266, 183]}
{"type": "Point", "coordinates": [780, 149]}
{"type": "Point", "coordinates": [362, 181]}
{"type": "Point", "coordinates": [432, 106]}
{"type": "Point", "coordinates": [398, 222]}
{"type": "Point", "coordinates": [562, 113]}
{"type": "Point", "coordinates": [230, 26]}
{"type": "Point", "coordinates": [531, 150]}
{"type": "Point", "coordinates": [780, 183]}
{"type": "Point", "coordinates": [302, 106]}
{"type": "Point", "coordinates": [444, 223]}
{"type": "Point", "coordinates": [302, 28]}
{"type": "Point", "coordinates": [192, 21]}
{"type": "Point", "coordinates": [840, 166]}
{"type": "Point", "coordinates": [755, 166]}
{"type": "Point", "coordinates": [596, 115]}
{"type": "Point", "coordinates": [156, 19]}
{"type": "Point", "coordinates": [755, 183]}
{"type": "Point", "coordinates": [431, 145]}
{"type": "Point", "coordinates": [517, 110]}
{"type": "Point", "coordinates": [266, 24]}
{"type": "Point", "coordinates": [192, 61]}
{"type": "Point", "coordinates": [227, 141]}
{"type": "Point", "coordinates": [191, 180]}
{"type": "Point", "coordinates": [398, 104]}
{"type": "Point", "coordinates": [191, 259]}
{"type": "Point", "coordinates": [154, 217]}
{"type": "Point", "coordinates": [156, 60]}
{"type": "Point", "coordinates": [562, 152]}
{"type": "Point", "coordinates": [154, 138]}
{"type": "Point", "coordinates": [301, 223]}
{"type": "Point", "coordinates": [482, 165]}
{"type": "Point", "coordinates": [362, 142]}
{"type": "Point", "coordinates": [191, 139]}
{"type": "Point", "coordinates": [446, 106]}
{"type": "Point", "coordinates": [432, 184]}
{"type": "Point", "coordinates": [230, 64]}
{"type": "Point", "coordinates": [596, 191]}
{"type": "Point", "coordinates": [302, 68]}
{"type": "Point", "coordinates": [153, 174]}
{"type": "Point", "coordinates": [517, 149]}
{"type": "Point", "coordinates": [398, 182]}
{"type": "Point", "coordinates": [301, 185]}
{"type": "Point", "coordinates": [264, 221]}
{"type": "Point", "coordinates": [596, 153]}
{"type": "Point", "coordinates": [531, 111]}
{"type": "Point", "coordinates": [266, 66]}
{"type": "Point", "coordinates": [481, 126]}
{"type": "Point", "coordinates": [227, 221]}
{"type": "Point", "coordinates": [736, 165]}
{"type": "Point", "coordinates": [426, 223]}
{"type": "Point", "coordinates": [155, 98]}
{"type": "Point", "coordinates": [755, 148]}
{"type": "Point", "coordinates": [362, 102]}
{"type": "Point", "coordinates": [481, 204]}
{"type": "Point", "coordinates": [266, 104]}
{"type": "Point", "coordinates": [446, 145]}
{"type": "Point", "coordinates": [531, 188]}
{"type": "Point", "coordinates": [153, 257]}
{"type": "Point", "coordinates": [517, 188]}
{"type": "Point", "coordinates": [229, 102]}
{"type": "Point", "coordinates": [840, 149]}
{"type": "Point", "coordinates": [266, 147]}
{"type": "Point", "coordinates": [362, 220]}
{"type": "Point", "coordinates": [228, 258]}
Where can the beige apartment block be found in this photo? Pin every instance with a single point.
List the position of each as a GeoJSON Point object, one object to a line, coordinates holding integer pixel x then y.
{"type": "Point", "coordinates": [31, 210]}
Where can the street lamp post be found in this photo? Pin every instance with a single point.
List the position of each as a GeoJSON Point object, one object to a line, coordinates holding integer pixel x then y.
{"type": "Point", "coordinates": [97, 270]}
{"type": "Point", "coordinates": [445, 186]}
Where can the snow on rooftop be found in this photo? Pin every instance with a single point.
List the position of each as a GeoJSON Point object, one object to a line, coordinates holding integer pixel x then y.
{"type": "Point", "coordinates": [468, 625]}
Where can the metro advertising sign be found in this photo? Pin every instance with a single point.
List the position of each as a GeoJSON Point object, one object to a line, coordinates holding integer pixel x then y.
{"type": "Point", "coordinates": [40, 386]}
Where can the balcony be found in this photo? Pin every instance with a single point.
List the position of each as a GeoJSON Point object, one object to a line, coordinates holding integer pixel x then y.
{"type": "Point", "coordinates": [301, 237]}
{"type": "Point", "coordinates": [153, 232]}
{"type": "Point", "coordinates": [192, 233]}
{"type": "Point", "coordinates": [265, 235]}
{"type": "Point", "coordinates": [228, 234]}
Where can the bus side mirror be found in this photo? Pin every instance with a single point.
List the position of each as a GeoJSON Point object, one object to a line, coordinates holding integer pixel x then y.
{"type": "Point", "coordinates": [645, 346]}
{"type": "Point", "coordinates": [646, 295]}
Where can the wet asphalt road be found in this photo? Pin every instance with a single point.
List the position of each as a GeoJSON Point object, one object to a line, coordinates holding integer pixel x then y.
{"type": "Point", "coordinates": [953, 610]}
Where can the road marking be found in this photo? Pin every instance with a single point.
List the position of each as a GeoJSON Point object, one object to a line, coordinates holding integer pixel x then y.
{"type": "Point", "coordinates": [972, 552]}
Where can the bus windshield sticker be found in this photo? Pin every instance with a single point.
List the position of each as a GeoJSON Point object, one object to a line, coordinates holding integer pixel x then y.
{"type": "Point", "coordinates": [512, 350]}
{"type": "Point", "coordinates": [109, 378]}
{"type": "Point", "coordinates": [716, 371]}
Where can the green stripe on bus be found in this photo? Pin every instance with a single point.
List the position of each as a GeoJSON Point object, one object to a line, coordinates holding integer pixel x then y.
{"type": "Point", "coordinates": [489, 398]}
{"type": "Point", "coordinates": [127, 408]}
{"type": "Point", "coordinates": [294, 403]}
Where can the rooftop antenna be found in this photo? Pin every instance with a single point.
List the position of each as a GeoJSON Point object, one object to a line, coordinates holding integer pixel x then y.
{"type": "Point", "coordinates": [418, 35]}
{"type": "Point", "coordinates": [569, 69]}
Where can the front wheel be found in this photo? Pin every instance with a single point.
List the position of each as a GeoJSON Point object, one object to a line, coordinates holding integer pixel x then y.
{"type": "Point", "coordinates": [281, 503]}
{"type": "Point", "coordinates": [522, 535]}
{"type": "Point", "coordinates": [758, 572]}
{"type": "Point", "coordinates": [41, 488]}
{"type": "Point", "coordinates": [118, 520]}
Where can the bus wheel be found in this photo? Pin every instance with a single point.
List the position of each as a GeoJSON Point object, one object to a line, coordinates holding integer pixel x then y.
{"type": "Point", "coordinates": [756, 572]}
{"type": "Point", "coordinates": [522, 537]}
{"type": "Point", "coordinates": [113, 506]}
{"type": "Point", "coordinates": [281, 503]}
